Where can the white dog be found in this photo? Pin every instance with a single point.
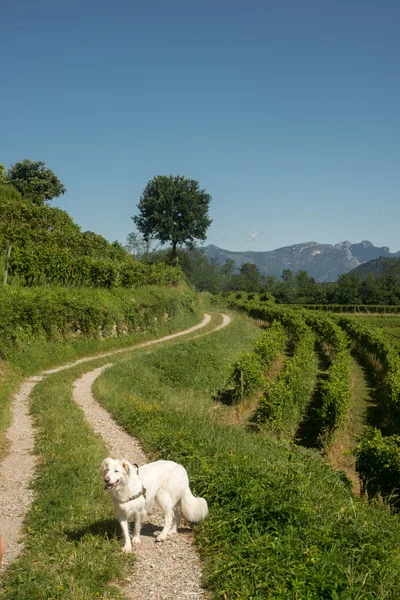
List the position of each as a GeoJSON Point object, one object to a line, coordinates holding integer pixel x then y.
{"type": "Point", "coordinates": [134, 490]}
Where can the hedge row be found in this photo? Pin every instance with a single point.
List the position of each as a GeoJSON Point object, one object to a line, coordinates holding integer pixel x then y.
{"type": "Point", "coordinates": [378, 456]}
{"type": "Point", "coordinates": [59, 267]}
{"type": "Point", "coordinates": [375, 344]}
{"type": "Point", "coordinates": [378, 464]}
{"type": "Point", "coordinates": [52, 313]}
{"type": "Point", "coordinates": [351, 308]}
{"type": "Point", "coordinates": [285, 399]}
{"type": "Point", "coordinates": [335, 390]}
{"type": "Point", "coordinates": [336, 308]}
{"type": "Point", "coordinates": [248, 373]}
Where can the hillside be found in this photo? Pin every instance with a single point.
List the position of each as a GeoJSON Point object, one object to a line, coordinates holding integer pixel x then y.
{"type": "Point", "coordinates": [324, 262]}
{"type": "Point", "coordinates": [379, 266]}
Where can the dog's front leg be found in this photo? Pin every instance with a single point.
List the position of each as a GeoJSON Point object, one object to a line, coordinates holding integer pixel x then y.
{"type": "Point", "coordinates": [125, 532]}
{"type": "Point", "coordinates": [136, 528]}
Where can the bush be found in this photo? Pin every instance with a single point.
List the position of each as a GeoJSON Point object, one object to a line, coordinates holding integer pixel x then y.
{"type": "Point", "coordinates": [51, 313]}
{"type": "Point", "coordinates": [378, 463]}
{"type": "Point", "coordinates": [248, 373]}
{"type": "Point", "coordinates": [247, 376]}
{"type": "Point", "coordinates": [286, 398]}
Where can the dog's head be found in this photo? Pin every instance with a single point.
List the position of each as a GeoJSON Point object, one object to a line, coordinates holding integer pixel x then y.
{"type": "Point", "coordinates": [115, 471]}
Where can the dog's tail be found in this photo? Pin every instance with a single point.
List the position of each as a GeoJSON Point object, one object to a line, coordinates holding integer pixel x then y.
{"type": "Point", "coordinates": [193, 509]}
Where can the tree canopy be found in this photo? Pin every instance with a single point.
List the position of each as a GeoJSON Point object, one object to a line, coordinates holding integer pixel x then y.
{"type": "Point", "coordinates": [173, 209]}
{"type": "Point", "coordinates": [35, 181]}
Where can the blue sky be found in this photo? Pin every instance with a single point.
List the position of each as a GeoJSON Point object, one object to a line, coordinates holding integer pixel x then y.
{"type": "Point", "coordinates": [286, 111]}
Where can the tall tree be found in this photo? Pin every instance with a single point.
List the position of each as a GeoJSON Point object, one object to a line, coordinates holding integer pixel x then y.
{"type": "Point", "coordinates": [173, 209]}
{"type": "Point", "coordinates": [35, 181]}
{"type": "Point", "coordinates": [249, 279]}
{"type": "Point", "coordinates": [140, 248]}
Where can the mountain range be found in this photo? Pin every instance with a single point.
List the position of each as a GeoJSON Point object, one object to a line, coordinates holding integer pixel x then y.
{"type": "Point", "coordinates": [324, 262]}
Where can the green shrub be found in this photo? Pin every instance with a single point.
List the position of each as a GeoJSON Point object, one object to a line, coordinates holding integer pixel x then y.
{"type": "Point", "coordinates": [378, 463]}
{"type": "Point", "coordinates": [271, 344]}
{"type": "Point", "coordinates": [375, 344]}
{"type": "Point", "coordinates": [249, 371]}
{"type": "Point", "coordinates": [247, 376]}
{"type": "Point", "coordinates": [51, 313]}
{"type": "Point", "coordinates": [286, 398]}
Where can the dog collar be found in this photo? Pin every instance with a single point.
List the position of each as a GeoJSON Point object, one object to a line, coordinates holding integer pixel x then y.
{"type": "Point", "coordinates": [141, 493]}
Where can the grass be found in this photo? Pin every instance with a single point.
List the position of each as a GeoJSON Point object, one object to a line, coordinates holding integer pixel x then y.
{"type": "Point", "coordinates": [340, 456]}
{"type": "Point", "coordinates": [72, 546]}
{"type": "Point", "coordinates": [282, 524]}
{"type": "Point", "coordinates": [39, 355]}
{"type": "Point", "coordinates": [71, 550]}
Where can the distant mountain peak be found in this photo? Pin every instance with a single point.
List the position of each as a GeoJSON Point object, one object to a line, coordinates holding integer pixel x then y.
{"type": "Point", "coordinates": [324, 262]}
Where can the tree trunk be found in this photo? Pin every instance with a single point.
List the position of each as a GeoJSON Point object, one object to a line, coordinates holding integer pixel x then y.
{"type": "Point", "coordinates": [173, 254]}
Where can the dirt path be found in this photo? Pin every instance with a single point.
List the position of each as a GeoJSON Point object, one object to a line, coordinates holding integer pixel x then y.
{"type": "Point", "coordinates": [167, 571]}
{"type": "Point", "coordinates": [17, 469]}
{"type": "Point", "coordinates": [16, 472]}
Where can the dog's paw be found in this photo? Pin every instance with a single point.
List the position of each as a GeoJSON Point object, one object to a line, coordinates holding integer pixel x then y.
{"type": "Point", "coordinates": [160, 538]}
{"type": "Point", "coordinates": [127, 549]}
{"type": "Point", "coordinates": [136, 540]}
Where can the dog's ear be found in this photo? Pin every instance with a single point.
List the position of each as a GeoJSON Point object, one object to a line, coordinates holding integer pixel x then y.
{"type": "Point", "coordinates": [105, 463]}
{"type": "Point", "coordinates": [126, 465]}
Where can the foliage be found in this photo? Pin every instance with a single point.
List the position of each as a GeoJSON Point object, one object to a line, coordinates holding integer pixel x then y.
{"type": "Point", "coordinates": [351, 308]}
{"type": "Point", "coordinates": [8, 192]}
{"type": "Point", "coordinates": [249, 279]}
{"type": "Point", "coordinates": [271, 344]}
{"type": "Point", "coordinates": [378, 463]}
{"type": "Point", "coordinates": [48, 247]}
{"type": "Point", "coordinates": [139, 247]}
{"type": "Point", "coordinates": [247, 376]}
{"type": "Point", "coordinates": [377, 456]}
{"type": "Point", "coordinates": [286, 397]}
{"type": "Point", "coordinates": [58, 314]}
{"type": "Point", "coordinates": [249, 370]}
{"type": "Point", "coordinates": [203, 273]}
{"type": "Point", "coordinates": [35, 181]}
{"type": "Point", "coordinates": [173, 209]}
{"type": "Point", "coordinates": [282, 524]}
{"type": "Point", "coordinates": [375, 344]}
{"type": "Point", "coordinates": [3, 175]}
{"type": "Point", "coordinates": [351, 290]}
{"type": "Point", "coordinates": [335, 389]}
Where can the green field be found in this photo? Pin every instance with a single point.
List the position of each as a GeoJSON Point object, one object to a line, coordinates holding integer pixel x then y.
{"type": "Point", "coordinates": [283, 523]}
